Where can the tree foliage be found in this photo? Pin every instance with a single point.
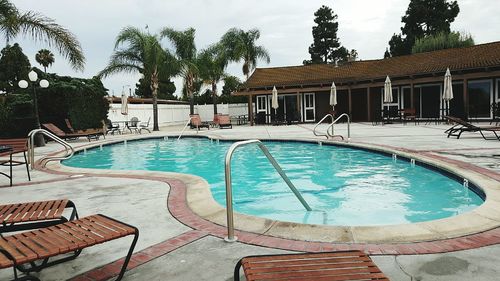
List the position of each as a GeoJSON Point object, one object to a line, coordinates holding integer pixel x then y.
{"type": "Point", "coordinates": [442, 41]}
{"type": "Point", "coordinates": [14, 66]}
{"type": "Point", "coordinates": [138, 51]}
{"type": "Point", "coordinates": [212, 65]}
{"type": "Point", "coordinates": [45, 58]}
{"type": "Point", "coordinates": [40, 28]}
{"type": "Point", "coordinates": [166, 89]}
{"type": "Point", "coordinates": [423, 18]}
{"type": "Point", "coordinates": [242, 45]}
{"type": "Point", "coordinates": [326, 47]}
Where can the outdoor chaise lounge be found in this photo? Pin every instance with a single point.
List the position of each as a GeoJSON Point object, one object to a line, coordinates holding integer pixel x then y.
{"type": "Point", "coordinates": [196, 122]}
{"type": "Point", "coordinates": [35, 250]}
{"type": "Point", "coordinates": [339, 266]}
{"type": "Point", "coordinates": [89, 134]}
{"type": "Point", "coordinates": [463, 126]}
{"type": "Point", "coordinates": [224, 121]}
{"type": "Point", "coordinates": [9, 147]}
{"type": "Point", "coordinates": [31, 215]}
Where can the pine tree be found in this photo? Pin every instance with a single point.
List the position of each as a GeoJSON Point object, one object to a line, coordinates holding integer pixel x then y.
{"type": "Point", "coordinates": [423, 18]}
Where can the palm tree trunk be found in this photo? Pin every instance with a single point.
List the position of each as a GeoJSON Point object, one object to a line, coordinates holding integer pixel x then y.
{"type": "Point", "coordinates": [154, 88]}
{"type": "Point", "coordinates": [189, 89]}
{"type": "Point", "coordinates": [214, 97]}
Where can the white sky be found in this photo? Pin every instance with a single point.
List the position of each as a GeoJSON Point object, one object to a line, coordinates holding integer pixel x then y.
{"type": "Point", "coordinates": [285, 26]}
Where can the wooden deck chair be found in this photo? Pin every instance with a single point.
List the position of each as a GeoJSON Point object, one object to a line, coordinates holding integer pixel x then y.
{"type": "Point", "coordinates": [225, 121]}
{"type": "Point", "coordinates": [339, 266]}
{"type": "Point", "coordinates": [89, 134]}
{"type": "Point", "coordinates": [463, 126]}
{"type": "Point", "coordinates": [35, 250]}
{"type": "Point", "coordinates": [31, 215]}
{"type": "Point", "coordinates": [9, 147]}
{"type": "Point", "coordinates": [196, 122]}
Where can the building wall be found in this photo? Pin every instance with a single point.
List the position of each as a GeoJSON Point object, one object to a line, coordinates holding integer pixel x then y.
{"type": "Point", "coordinates": [174, 114]}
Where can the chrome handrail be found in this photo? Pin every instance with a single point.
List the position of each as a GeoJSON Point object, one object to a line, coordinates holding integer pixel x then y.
{"type": "Point", "coordinates": [188, 122]}
{"type": "Point", "coordinates": [70, 151]}
{"type": "Point", "coordinates": [335, 121]}
{"type": "Point", "coordinates": [321, 121]}
{"type": "Point", "coordinates": [229, 190]}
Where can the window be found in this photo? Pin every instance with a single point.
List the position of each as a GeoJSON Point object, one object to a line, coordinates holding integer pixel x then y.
{"type": "Point", "coordinates": [309, 108]}
{"type": "Point", "coordinates": [480, 98]}
{"type": "Point", "coordinates": [261, 104]}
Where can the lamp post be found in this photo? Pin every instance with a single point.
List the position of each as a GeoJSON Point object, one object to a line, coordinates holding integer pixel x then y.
{"type": "Point", "coordinates": [33, 77]}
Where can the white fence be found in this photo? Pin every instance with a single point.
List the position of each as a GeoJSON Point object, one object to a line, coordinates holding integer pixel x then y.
{"type": "Point", "coordinates": [173, 114]}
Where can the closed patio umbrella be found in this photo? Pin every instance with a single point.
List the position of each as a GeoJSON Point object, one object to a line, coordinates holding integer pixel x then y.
{"type": "Point", "coordinates": [124, 109]}
{"type": "Point", "coordinates": [274, 101]}
{"type": "Point", "coordinates": [387, 90]}
{"type": "Point", "coordinates": [333, 96]}
{"type": "Point", "coordinates": [448, 90]}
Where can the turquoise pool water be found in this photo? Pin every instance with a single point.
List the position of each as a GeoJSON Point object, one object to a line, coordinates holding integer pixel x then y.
{"type": "Point", "coordinates": [344, 186]}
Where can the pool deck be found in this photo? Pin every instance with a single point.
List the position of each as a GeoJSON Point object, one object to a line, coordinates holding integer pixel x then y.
{"type": "Point", "coordinates": [176, 244]}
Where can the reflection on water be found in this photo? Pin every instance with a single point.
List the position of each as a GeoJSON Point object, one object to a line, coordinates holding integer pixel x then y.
{"type": "Point", "coordinates": [343, 186]}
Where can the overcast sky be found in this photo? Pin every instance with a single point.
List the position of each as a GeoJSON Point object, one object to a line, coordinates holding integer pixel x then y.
{"type": "Point", "coordinates": [285, 26]}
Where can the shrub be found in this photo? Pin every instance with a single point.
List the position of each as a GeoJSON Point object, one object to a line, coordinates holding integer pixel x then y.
{"type": "Point", "coordinates": [442, 41]}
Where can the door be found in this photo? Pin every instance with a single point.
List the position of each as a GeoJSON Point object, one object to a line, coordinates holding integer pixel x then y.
{"type": "Point", "coordinates": [309, 109]}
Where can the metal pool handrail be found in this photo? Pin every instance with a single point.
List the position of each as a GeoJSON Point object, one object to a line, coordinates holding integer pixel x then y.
{"type": "Point", "coordinates": [182, 132]}
{"type": "Point", "coordinates": [335, 121]}
{"type": "Point", "coordinates": [229, 190]}
{"type": "Point", "coordinates": [70, 151]}
{"type": "Point", "coordinates": [321, 121]}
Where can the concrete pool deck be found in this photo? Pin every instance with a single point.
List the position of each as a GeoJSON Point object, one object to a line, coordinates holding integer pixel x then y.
{"type": "Point", "coordinates": [168, 249]}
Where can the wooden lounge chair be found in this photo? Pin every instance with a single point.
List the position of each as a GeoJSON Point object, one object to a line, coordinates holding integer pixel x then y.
{"type": "Point", "coordinates": [35, 250]}
{"type": "Point", "coordinates": [9, 147]}
{"type": "Point", "coordinates": [463, 126]}
{"type": "Point", "coordinates": [89, 134]}
{"type": "Point", "coordinates": [196, 122]}
{"type": "Point", "coordinates": [225, 121]}
{"type": "Point", "coordinates": [339, 266]}
{"type": "Point", "coordinates": [30, 215]}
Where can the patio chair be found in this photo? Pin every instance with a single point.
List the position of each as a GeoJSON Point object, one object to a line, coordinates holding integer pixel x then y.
{"type": "Point", "coordinates": [35, 250]}
{"type": "Point", "coordinates": [215, 121]}
{"type": "Point", "coordinates": [9, 147]}
{"type": "Point", "coordinates": [197, 123]}
{"type": "Point", "coordinates": [225, 121]}
{"type": "Point", "coordinates": [463, 126]}
{"type": "Point", "coordinates": [144, 126]}
{"type": "Point", "coordinates": [409, 114]}
{"type": "Point", "coordinates": [133, 124]}
{"type": "Point", "coordinates": [112, 128]}
{"type": "Point", "coordinates": [89, 134]}
{"type": "Point", "coordinates": [339, 266]}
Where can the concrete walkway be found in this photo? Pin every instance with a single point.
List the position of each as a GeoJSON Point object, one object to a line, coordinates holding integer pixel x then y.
{"type": "Point", "coordinates": [195, 255]}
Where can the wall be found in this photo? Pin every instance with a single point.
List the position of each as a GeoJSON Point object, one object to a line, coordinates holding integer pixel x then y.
{"type": "Point", "coordinates": [174, 114]}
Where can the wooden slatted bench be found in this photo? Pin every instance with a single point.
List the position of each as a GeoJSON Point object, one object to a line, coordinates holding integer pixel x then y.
{"type": "Point", "coordinates": [16, 146]}
{"type": "Point", "coordinates": [30, 215]}
{"type": "Point", "coordinates": [332, 266]}
{"type": "Point", "coordinates": [34, 250]}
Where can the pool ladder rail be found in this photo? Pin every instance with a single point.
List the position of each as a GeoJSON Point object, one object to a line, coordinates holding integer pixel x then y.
{"type": "Point", "coordinates": [229, 190]}
{"type": "Point", "coordinates": [330, 132]}
{"type": "Point", "coordinates": [69, 150]}
{"type": "Point", "coordinates": [185, 127]}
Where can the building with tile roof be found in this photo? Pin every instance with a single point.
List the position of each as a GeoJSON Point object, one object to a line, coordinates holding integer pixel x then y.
{"type": "Point", "coordinates": [417, 82]}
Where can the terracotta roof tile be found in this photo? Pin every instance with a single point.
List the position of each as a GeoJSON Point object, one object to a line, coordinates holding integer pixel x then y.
{"type": "Point", "coordinates": [479, 56]}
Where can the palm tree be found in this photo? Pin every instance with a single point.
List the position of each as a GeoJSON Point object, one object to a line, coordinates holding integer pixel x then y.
{"type": "Point", "coordinates": [40, 28]}
{"type": "Point", "coordinates": [186, 56]}
{"type": "Point", "coordinates": [45, 58]}
{"type": "Point", "coordinates": [212, 65]}
{"type": "Point", "coordinates": [240, 45]}
{"type": "Point", "coordinates": [137, 51]}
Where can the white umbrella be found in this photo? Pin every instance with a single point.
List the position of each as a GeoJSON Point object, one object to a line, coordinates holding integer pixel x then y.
{"type": "Point", "coordinates": [387, 90]}
{"type": "Point", "coordinates": [333, 96]}
{"type": "Point", "coordinates": [274, 101]}
{"type": "Point", "coordinates": [448, 89]}
{"type": "Point", "coordinates": [124, 108]}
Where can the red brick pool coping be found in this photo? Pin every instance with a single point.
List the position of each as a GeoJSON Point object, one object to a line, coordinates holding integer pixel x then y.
{"type": "Point", "coordinates": [178, 207]}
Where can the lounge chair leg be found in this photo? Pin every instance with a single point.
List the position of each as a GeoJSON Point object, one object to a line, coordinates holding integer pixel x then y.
{"type": "Point", "coordinates": [129, 255]}
{"type": "Point", "coordinates": [27, 168]}
{"type": "Point", "coordinates": [236, 276]}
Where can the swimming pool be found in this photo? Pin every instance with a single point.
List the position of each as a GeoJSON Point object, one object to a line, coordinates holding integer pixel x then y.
{"type": "Point", "coordinates": [344, 186]}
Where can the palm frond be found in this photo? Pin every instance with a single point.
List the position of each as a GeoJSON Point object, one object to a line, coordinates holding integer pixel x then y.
{"type": "Point", "coordinates": [116, 67]}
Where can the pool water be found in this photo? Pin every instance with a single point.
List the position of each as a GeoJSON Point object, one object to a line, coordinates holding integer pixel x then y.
{"type": "Point", "coordinates": [343, 186]}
